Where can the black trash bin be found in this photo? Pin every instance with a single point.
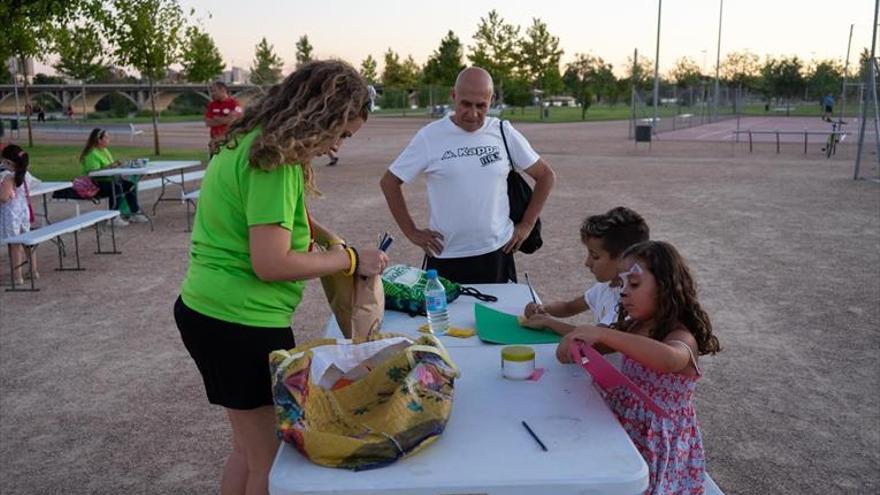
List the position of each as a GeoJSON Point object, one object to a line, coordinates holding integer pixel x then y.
{"type": "Point", "coordinates": [643, 133]}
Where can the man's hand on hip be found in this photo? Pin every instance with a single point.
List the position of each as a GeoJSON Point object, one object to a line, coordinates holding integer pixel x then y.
{"type": "Point", "coordinates": [430, 241]}
{"type": "Point", "coordinates": [520, 233]}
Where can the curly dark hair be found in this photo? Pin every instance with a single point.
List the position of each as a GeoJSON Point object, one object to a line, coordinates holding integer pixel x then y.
{"type": "Point", "coordinates": [677, 302]}
{"type": "Point", "coordinates": [618, 228]}
{"type": "Point", "coordinates": [303, 114]}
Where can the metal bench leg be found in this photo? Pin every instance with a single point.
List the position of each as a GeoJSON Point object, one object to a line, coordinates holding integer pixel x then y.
{"type": "Point", "coordinates": [188, 219]}
{"type": "Point", "coordinates": [12, 267]}
{"type": "Point", "coordinates": [28, 256]}
{"type": "Point", "coordinates": [79, 267]}
{"type": "Point", "coordinates": [112, 235]}
{"type": "Point", "coordinates": [161, 193]}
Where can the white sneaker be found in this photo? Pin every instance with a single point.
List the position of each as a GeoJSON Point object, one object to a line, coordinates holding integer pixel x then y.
{"type": "Point", "coordinates": [138, 218]}
{"type": "Point", "coordinates": [119, 222]}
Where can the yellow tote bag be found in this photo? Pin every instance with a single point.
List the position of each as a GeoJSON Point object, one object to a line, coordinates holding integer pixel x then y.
{"type": "Point", "coordinates": [362, 406]}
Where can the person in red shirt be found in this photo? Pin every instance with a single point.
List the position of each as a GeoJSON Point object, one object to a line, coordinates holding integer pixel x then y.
{"type": "Point", "coordinates": [221, 111]}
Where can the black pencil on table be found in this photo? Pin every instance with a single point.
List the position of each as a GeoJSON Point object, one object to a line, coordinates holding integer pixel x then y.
{"type": "Point", "coordinates": [532, 433]}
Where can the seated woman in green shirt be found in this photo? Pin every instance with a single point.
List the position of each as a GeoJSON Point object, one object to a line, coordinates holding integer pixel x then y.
{"type": "Point", "coordinates": [252, 251]}
{"type": "Point", "coordinates": [96, 156]}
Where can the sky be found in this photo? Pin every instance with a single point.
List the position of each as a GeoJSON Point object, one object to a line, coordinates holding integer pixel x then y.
{"type": "Point", "coordinates": [354, 29]}
{"type": "Point", "coordinates": [351, 30]}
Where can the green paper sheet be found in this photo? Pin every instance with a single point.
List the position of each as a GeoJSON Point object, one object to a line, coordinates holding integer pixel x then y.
{"type": "Point", "coordinates": [496, 327]}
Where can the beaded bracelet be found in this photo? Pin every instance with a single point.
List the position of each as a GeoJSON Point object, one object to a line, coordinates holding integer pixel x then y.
{"type": "Point", "coordinates": [352, 256]}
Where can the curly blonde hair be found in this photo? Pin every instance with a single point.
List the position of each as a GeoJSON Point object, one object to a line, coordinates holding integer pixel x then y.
{"type": "Point", "coordinates": [302, 116]}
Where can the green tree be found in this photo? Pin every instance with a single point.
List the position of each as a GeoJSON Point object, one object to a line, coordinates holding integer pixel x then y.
{"type": "Point", "coordinates": [686, 73]}
{"type": "Point", "coordinates": [586, 76]}
{"type": "Point", "coordinates": [864, 57]}
{"type": "Point", "coordinates": [304, 51]}
{"type": "Point", "coordinates": [782, 77]}
{"type": "Point", "coordinates": [369, 69]}
{"type": "Point", "coordinates": [495, 49]}
{"type": "Point", "coordinates": [201, 58]}
{"type": "Point", "coordinates": [446, 62]}
{"type": "Point", "coordinates": [411, 73]}
{"type": "Point", "coordinates": [741, 69]}
{"type": "Point", "coordinates": [80, 53]}
{"type": "Point", "coordinates": [148, 35]}
{"type": "Point", "coordinates": [266, 69]}
{"type": "Point", "coordinates": [539, 55]}
{"type": "Point", "coordinates": [28, 28]}
{"type": "Point", "coordinates": [640, 75]}
{"type": "Point", "coordinates": [517, 92]}
{"type": "Point", "coordinates": [397, 74]}
{"type": "Point", "coordinates": [825, 77]}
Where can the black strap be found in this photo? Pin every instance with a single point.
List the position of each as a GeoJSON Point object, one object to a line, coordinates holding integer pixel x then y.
{"type": "Point", "coordinates": [470, 291]}
{"type": "Point", "coordinates": [504, 138]}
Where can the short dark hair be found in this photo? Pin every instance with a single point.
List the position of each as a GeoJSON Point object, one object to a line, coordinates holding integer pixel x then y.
{"type": "Point", "coordinates": [220, 84]}
{"type": "Point", "coordinates": [618, 228]}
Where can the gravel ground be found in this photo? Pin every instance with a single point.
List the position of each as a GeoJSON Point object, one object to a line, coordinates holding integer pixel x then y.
{"type": "Point", "coordinates": [98, 395]}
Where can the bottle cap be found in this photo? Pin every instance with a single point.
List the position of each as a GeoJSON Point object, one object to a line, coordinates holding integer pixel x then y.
{"type": "Point", "coordinates": [432, 273]}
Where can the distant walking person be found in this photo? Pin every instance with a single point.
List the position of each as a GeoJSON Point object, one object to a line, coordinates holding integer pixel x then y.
{"type": "Point", "coordinates": [828, 106]}
{"type": "Point", "coordinates": [221, 111]}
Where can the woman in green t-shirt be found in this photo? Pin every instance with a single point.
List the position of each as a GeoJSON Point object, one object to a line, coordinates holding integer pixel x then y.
{"type": "Point", "coordinates": [251, 250]}
{"type": "Point", "coordinates": [96, 156]}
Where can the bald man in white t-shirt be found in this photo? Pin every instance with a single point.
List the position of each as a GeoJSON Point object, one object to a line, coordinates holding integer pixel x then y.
{"type": "Point", "coordinates": [470, 238]}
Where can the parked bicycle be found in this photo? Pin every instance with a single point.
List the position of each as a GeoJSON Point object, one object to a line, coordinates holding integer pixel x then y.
{"type": "Point", "coordinates": [837, 130]}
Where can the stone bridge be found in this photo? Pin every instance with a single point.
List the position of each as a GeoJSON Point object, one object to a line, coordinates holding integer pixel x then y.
{"type": "Point", "coordinates": [138, 94]}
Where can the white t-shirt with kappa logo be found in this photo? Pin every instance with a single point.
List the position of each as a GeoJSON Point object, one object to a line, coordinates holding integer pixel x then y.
{"type": "Point", "coordinates": [466, 176]}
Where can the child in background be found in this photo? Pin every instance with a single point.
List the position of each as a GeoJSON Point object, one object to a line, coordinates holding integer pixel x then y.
{"type": "Point", "coordinates": [663, 329]}
{"type": "Point", "coordinates": [14, 213]}
{"type": "Point", "coordinates": [605, 236]}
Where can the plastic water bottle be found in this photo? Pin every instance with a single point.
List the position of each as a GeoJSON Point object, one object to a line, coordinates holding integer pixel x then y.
{"type": "Point", "coordinates": [435, 304]}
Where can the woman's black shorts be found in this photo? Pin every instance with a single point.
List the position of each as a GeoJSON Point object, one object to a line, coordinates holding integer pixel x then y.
{"type": "Point", "coordinates": [233, 359]}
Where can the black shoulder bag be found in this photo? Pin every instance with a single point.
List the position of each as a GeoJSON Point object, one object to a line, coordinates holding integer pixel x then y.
{"type": "Point", "coordinates": [519, 193]}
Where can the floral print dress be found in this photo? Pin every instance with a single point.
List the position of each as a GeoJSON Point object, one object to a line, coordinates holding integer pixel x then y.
{"type": "Point", "coordinates": [672, 447]}
{"type": "Point", "coordinates": [14, 214]}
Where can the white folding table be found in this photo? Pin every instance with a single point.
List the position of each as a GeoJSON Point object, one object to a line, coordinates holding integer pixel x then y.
{"type": "Point", "coordinates": [485, 449]}
{"type": "Point", "coordinates": [44, 189]}
{"type": "Point", "coordinates": [160, 168]}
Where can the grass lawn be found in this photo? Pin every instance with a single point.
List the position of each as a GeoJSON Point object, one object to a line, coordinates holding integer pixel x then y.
{"type": "Point", "coordinates": [61, 162]}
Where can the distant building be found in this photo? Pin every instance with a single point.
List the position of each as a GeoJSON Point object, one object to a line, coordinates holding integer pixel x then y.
{"type": "Point", "coordinates": [561, 101]}
{"type": "Point", "coordinates": [236, 75]}
{"type": "Point", "coordinates": [18, 70]}
{"type": "Point", "coordinates": [173, 77]}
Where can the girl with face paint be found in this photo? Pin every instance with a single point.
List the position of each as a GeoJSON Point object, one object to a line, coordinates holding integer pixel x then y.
{"type": "Point", "coordinates": [661, 330]}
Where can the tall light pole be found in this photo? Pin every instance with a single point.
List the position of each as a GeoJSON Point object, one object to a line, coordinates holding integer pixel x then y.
{"type": "Point", "coordinates": [872, 83]}
{"type": "Point", "coordinates": [657, 69]}
{"type": "Point", "coordinates": [718, 60]}
{"type": "Point", "coordinates": [845, 73]}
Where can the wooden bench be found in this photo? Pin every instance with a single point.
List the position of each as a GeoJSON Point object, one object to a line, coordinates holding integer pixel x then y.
{"type": "Point", "coordinates": [190, 199]}
{"type": "Point", "coordinates": [30, 240]}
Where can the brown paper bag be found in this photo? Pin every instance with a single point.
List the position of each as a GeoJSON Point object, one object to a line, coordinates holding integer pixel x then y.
{"type": "Point", "coordinates": [358, 303]}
